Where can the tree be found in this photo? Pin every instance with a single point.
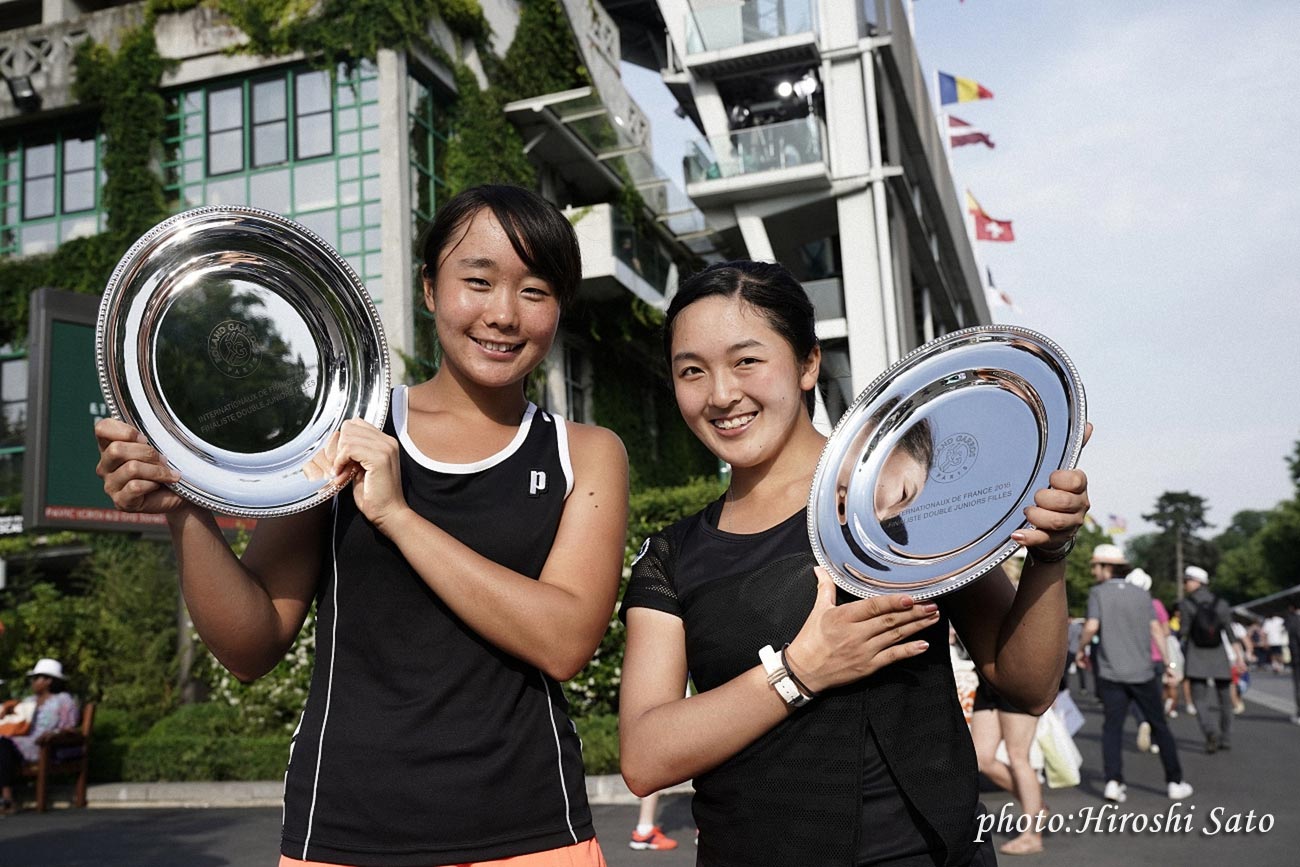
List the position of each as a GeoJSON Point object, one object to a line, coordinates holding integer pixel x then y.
{"type": "Point", "coordinates": [1243, 526]}
{"type": "Point", "coordinates": [1179, 514]}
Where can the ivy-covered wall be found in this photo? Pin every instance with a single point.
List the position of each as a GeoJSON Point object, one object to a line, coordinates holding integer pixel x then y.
{"type": "Point", "coordinates": [124, 87]}
{"type": "Point", "coordinates": [632, 397]}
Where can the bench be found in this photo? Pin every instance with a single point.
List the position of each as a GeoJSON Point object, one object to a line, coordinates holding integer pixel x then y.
{"type": "Point", "coordinates": [66, 751]}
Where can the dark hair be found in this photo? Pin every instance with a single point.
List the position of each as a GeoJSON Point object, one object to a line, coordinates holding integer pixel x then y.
{"type": "Point", "coordinates": [540, 234]}
{"type": "Point", "coordinates": [766, 286]}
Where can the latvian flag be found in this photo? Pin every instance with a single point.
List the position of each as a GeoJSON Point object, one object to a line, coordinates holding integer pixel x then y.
{"type": "Point", "coordinates": [961, 133]}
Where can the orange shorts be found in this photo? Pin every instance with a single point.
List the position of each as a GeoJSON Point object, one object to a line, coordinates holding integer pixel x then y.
{"type": "Point", "coordinates": [584, 854]}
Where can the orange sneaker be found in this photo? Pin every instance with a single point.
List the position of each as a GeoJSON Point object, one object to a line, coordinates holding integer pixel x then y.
{"type": "Point", "coordinates": [655, 839]}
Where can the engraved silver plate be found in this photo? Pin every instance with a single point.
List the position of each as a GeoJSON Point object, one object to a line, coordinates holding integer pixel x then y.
{"type": "Point", "coordinates": [237, 341]}
{"type": "Point", "coordinates": [928, 473]}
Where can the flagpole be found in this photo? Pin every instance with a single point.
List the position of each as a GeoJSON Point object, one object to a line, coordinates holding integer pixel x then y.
{"type": "Point", "coordinates": [980, 268]}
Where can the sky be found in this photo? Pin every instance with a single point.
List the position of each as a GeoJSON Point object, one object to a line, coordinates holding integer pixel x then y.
{"type": "Point", "coordinates": [1146, 154]}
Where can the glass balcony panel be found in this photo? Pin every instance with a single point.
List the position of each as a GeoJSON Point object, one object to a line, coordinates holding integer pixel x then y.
{"type": "Point", "coordinates": [639, 252]}
{"type": "Point", "coordinates": [759, 149]}
{"type": "Point", "coordinates": [715, 26]}
{"type": "Point", "coordinates": [827, 296]}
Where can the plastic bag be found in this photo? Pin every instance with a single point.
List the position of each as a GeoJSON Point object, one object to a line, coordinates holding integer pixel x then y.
{"type": "Point", "coordinates": [1061, 758]}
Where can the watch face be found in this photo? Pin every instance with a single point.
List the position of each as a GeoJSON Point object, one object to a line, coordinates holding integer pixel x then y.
{"type": "Point", "coordinates": [928, 473]}
{"type": "Point", "coordinates": [238, 341]}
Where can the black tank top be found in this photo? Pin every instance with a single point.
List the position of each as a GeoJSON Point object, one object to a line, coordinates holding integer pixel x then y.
{"type": "Point", "coordinates": [421, 742]}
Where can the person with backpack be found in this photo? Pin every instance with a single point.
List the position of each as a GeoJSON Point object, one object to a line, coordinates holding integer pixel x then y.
{"type": "Point", "coordinates": [1204, 619]}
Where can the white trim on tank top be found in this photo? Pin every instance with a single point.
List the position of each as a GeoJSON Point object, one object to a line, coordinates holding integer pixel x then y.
{"type": "Point", "coordinates": [562, 441]}
{"type": "Point", "coordinates": [399, 424]}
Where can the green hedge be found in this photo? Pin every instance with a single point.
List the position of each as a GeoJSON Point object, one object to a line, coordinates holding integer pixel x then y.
{"type": "Point", "coordinates": [599, 734]}
{"type": "Point", "coordinates": [198, 742]}
{"type": "Point", "coordinates": [193, 758]}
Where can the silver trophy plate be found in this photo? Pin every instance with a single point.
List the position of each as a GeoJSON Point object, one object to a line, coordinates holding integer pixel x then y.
{"type": "Point", "coordinates": [238, 341]}
{"type": "Point", "coordinates": [928, 473]}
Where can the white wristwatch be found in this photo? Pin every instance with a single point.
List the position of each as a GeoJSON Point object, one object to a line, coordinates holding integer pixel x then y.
{"type": "Point", "coordinates": [779, 678]}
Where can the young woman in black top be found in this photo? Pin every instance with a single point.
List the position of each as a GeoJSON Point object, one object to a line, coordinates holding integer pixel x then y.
{"type": "Point", "coordinates": [878, 767]}
{"type": "Point", "coordinates": [471, 566]}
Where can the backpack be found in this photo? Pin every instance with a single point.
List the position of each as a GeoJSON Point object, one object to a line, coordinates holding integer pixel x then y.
{"type": "Point", "coordinates": [1205, 624]}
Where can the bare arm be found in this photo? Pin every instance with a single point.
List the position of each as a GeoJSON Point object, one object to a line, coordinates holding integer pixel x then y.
{"type": "Point", "coordinates": [1090, 629]}
{"type": "Point", "coordinates": [665, 739]}
{"type": "Point", "coordinates": [248, 613]}
{"type": "Point", "coordinates": [1017, 635]}
{"type": "Point", "coordinates": [1158, 634]}
{"type": "Point", "coordinates": [554, 622]}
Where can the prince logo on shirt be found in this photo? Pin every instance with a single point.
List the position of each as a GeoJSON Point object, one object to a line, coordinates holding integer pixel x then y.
{"type": "Point", "coordinates": [536, 483]}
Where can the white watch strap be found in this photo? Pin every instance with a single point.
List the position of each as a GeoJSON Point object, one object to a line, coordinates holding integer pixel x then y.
{"type": "Point", "coordinates": [779, 678]}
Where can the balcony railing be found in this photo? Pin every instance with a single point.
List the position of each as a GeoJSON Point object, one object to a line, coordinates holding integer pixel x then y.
{"type": "Point", "coordinates": [639, 251]}
{"type": "Point", "coordinates": [715, 26]}
{"type": "Point", "coordinates": [758, 149]}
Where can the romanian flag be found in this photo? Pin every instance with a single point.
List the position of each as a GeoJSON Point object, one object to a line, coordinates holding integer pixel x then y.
{"type": "Point", "coordinates": [954, 89]}
{"type": "Point", "coordinates": [962, 133]}
{"type": "Point", "coordinates": [987, 228]}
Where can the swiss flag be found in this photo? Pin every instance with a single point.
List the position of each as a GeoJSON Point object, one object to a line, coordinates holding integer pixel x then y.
{"type": "Point", "coordinates": [987, 228]}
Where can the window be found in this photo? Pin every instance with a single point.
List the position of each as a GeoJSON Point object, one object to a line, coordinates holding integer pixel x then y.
{"type": "Point", "coordinates": [296, 142]}
{"type": "Point", "coordinates": [314, 131]}
{"type": "Point", "coordinates": [38, 182]}
{"type": "Point", "coordinates": [13, 425]}
{"type": "Point", "coordinates": [49, 190]}
{"type": "Point", "coordinates": [264, 106]}
{"type": "Point", "coordinates": [427, 129]}
{"type": "Point", "coordinates": [270, 123]}
{"type": "Point", "coordinates": [226, 130]}
{"type": "Point", "coordinates": [577, 384]}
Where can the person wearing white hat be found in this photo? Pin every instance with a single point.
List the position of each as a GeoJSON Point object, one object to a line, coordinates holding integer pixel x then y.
{"type": "Point", "coordinates": [1204, 621]}
{"type": "Point", "coordinates": [1165, 666]}
{"type": "Point", "coordinates": [1121, 615]}
{"type": "Point", "coordinates": [55, 710]}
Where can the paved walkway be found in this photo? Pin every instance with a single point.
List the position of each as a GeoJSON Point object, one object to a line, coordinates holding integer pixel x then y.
{"type": "Point", "coordinates": [1244, 810]}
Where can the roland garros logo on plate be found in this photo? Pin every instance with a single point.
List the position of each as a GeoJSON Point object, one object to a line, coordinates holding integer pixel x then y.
{"type": "Point", "coordinates": [233, 350]}
{"type": "Point", "coordinates": [954, 457]}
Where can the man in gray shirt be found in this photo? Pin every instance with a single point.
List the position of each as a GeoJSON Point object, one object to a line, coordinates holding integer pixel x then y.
{"type": "Point", "coordinates": [1121, 614]}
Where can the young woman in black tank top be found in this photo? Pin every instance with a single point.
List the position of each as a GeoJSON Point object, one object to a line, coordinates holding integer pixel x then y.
{"type": "Point", "coordinates": [500, 263]}
{"type": "Point", "coordinates": [877, 767]}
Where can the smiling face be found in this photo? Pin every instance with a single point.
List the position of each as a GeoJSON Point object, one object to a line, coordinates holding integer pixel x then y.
{"type": "Point", "coordinates": [495, 318]}
{"type": "Point", "coordinates": [738, 384]}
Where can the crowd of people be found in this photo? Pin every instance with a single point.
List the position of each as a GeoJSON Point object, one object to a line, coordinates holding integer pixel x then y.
{"type": "Point", "coordinates": [822, 729]}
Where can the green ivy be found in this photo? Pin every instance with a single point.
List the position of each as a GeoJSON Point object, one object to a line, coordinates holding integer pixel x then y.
{"type": "Point", "coordinates": [124, 85]}
{"type": "Point", "coordinates": [485, 147]}
{"type": "Point", "coordinates": [542, 58]}
{"type": "Point", "coordinates": [340, 31]}
{"type": "Point", "coordinates": [133, 117]}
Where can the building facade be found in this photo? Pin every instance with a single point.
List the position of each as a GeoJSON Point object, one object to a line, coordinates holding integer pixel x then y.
{"type": "Point", "coordinates": [357, 152]}
{"type": "Point", "coordinates": [820, 150]}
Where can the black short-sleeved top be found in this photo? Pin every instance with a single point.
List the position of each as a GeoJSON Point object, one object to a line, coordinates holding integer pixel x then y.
{"type": "Point", "coordinates": [876, 772]}
{"type": "Point", "coordinates": [421, 742]}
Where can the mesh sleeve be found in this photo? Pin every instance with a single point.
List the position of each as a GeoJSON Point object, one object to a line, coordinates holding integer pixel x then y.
{"type": "Point", "coordinates": [651, 585]}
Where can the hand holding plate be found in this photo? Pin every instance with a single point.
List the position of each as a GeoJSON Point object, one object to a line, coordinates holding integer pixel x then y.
{"type": "Point", "coordinates": [135, 474]}
{"type": "Point", "coordinates": [1058, 511]}
{"type": "Point", "coordinates": [839, 644]}
{"type": "Point", "coordinates": [374, 459]}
